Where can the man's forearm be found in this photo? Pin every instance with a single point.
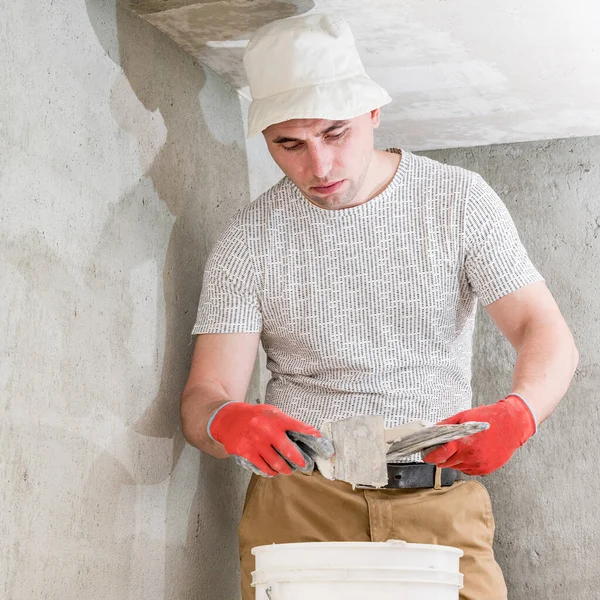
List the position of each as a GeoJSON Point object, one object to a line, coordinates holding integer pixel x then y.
{"type": "Point", "coordinates": [546, 361]}
{"type": "Point", "coordinates": [198, 404]}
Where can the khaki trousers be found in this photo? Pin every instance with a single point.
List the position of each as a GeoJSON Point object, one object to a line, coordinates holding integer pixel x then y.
{"type": "Point", "coordinates": [302, 508]}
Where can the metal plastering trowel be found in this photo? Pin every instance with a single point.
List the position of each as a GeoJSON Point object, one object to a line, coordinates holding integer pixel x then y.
{"type": "Point", "coordinates": [363, 447]}
{"type": "Point", "coordinates": [429, 438]}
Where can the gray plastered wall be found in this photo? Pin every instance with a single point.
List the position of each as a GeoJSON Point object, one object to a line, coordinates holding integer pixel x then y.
{"type": "Point", "coordinates": [545, 499]}
{"type": "Point", "coordinates": [121, 159]}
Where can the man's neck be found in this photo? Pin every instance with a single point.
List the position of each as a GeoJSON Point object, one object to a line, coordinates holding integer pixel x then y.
{"type": "Point", "coordinates": [383, 169]}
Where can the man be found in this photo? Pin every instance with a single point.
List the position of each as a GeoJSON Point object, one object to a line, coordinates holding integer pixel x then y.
{"type": "Point", "coordinates": [359, 272]}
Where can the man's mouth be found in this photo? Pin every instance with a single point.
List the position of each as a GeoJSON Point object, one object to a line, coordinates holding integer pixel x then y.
{"type": "Point", "coordinates": [328, 189]}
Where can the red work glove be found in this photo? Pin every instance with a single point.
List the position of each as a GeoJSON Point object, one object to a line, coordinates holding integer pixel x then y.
{"type": "Point", "coordinates": [511, 424]}
{"type": "Point", "coordinates": [259, 438]}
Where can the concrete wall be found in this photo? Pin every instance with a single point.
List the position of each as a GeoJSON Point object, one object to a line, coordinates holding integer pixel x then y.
{"type": "Point", "coordinates": [545, 499]}
{"type": "Point", "coordinates": [120, 160]}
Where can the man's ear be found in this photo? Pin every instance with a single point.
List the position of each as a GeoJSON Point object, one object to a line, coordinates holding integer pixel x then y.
{"type": "Point", "coordinates": [376, 117]}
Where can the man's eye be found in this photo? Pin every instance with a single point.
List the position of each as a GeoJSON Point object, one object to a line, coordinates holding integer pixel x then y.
{"type": "Point", "coordinates": [330, 137]}
{"type": "Point", "coordinates": [335, 137]}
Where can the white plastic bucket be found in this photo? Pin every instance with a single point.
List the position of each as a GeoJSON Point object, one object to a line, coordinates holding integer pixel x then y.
{"type": "Point", "coordinates": [359, 575]}
{"type": "Point", "coordinates": [356, 570]}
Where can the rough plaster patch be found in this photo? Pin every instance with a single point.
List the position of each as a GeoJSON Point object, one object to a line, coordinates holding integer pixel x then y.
{"type": "Point", "coordinates": [142, 7]}
{"type": "Point", "coordinates": [495, 68]}
{"type": "Point", "coordinates": [191, 27]}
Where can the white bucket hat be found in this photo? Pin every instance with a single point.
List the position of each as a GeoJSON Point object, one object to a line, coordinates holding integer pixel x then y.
{"type": "Point", "coordinates": [307, 67]}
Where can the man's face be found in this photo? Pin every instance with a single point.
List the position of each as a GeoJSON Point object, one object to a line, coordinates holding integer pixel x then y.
{"type": "Point", "coordinates": [315, 153]}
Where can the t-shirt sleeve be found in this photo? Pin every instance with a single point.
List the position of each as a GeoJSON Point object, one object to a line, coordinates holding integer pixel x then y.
{"type": "Point", "coordinates": [229, 300]}
{"type": "Point", "coordinates": [496, 263]}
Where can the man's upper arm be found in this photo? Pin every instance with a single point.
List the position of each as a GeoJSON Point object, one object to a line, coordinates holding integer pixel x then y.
{"type": "Point", "coordinates": [531, 305]}
{"type": "Point", "coordinates": [225, 360]}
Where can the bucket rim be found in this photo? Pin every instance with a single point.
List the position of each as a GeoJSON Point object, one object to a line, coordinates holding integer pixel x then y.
{"type": "Point", "coordinates": [363, 545]}
{"type": "Point", "coordinates": [355, 569]}
{"type": "Point", "coordinates": [304, 580]}
{"type": "Point", "coordinates": [358, 574]}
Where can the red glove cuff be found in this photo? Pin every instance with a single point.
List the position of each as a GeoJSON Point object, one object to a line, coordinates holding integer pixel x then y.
{"type": "Point", "coordinates": [210, 421]}
{"type": "Point", "coordinates": [535, 423]}
{"type": "Point", "coordinates": [524, 422]}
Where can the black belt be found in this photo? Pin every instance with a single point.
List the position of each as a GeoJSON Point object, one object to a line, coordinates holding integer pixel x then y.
{"type": "Point", "coordinates": [415, 475]}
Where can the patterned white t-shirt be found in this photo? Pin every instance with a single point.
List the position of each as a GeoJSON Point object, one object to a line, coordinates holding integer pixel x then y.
{"type": "Point", "coordinates": [369, 309]}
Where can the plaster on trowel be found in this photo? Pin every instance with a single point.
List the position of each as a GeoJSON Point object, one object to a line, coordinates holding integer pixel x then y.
{"type": "Point", "coordinates": [363, 447]}
{"type": "Point", "coordinates": [360, 451]}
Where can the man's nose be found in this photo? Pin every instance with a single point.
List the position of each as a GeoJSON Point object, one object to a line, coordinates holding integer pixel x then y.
{"type": "Point", "coordinates": [320, 162]}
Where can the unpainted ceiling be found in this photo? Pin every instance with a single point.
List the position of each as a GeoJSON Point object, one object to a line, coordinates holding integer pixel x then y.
{"type": "Point", "coordinates": [460, 72]}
